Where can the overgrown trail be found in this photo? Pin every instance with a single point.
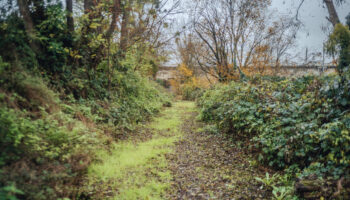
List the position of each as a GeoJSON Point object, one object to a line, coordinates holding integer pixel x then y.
{"type": "Point", "coordinates": [172, 158]}
{"type": "Point", "coordinates": [211, 166]}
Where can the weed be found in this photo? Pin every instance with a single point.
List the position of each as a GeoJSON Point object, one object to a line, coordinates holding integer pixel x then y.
{"type": "Point", "coordinates": [268, 181]}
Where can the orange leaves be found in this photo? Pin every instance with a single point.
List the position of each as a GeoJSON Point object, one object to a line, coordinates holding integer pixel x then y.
{"type": "Point", "coordinates": [261, 62]}
{"type": "Point", "coordinates": [262, 49]}
{"type": "Point", "coordinates": [186, 78]}
{"type": "Point", "coordinates": [185, 71]}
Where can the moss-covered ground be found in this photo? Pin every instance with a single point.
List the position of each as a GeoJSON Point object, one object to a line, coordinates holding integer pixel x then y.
{"type": "Point", "coordinates": [138, 169]}
{"type": "Point", "coordinates": [172, 157]}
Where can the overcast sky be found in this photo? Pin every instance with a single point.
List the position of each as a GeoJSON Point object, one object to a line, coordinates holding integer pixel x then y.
{"type": "Point", "coordinates": [313, 15]}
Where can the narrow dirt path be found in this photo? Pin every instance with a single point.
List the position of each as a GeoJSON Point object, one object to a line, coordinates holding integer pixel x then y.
{"type": "Point", "coordinates": [173, 158]}
{"type": "Point", "coordinates": [209, 166]}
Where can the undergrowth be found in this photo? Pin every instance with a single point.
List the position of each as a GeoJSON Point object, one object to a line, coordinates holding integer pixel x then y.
{"type": "Point", "coordinates": [300, 125]}
{"type": "Point", "coordinates": [49, 138]}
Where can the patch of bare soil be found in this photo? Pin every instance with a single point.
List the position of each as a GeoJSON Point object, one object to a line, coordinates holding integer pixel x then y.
{"type": "Point", "coordinates": [208, 166]}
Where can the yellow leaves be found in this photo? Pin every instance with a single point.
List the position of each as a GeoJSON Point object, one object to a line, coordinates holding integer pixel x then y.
{"type": "Point", "coordinates": [345, 132]}
{"type": "Point", "coordinates": [260, 63]}
{"type": "Point", "coordinates": [185, 71]}
{"type": "Point", "coordinates": [97, 41]}
{"type": "Point", "coordinates": [3, 26]}
{"type": "Point", "coordinates": [100, 37]}
{"type": "Point", "coordinates": [262, 48]}
{"type": "Point", "coordinates": [73, 53]}
{"type": "Point", "coordinates": [185, 78]}
{"type": "Point", "coordinates": [94, 25]}
{"type": "Point", "coordinates": [330, 156]}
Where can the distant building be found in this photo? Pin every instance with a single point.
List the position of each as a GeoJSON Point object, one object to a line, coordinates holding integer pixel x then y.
{"type": "Point", "coordinates": [167, 73]}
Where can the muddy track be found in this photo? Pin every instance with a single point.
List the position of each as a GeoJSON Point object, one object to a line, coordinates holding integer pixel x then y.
{"type": "Point", "coordinates": [208, 166]}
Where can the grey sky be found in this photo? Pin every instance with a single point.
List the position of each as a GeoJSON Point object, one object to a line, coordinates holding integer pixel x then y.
{"type": "Point", "coordinates": [313, 16]}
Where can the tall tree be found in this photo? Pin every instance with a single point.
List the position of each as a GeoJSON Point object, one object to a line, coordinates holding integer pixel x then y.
{"type": "Point", "coordinates": [116, 11]}
{"type": "Point", "coordinates": [70, 20]}
{"type": "Point", "coordinates": [229, 32]}
{"type": "Point", "coordinates": [333, 15]}
{"type": "Point", "coordinates": [28, 25]}
{"type": "Point", "coordinates": [88, 5]}
{"type": "Point", "coordinates": [124, 32]}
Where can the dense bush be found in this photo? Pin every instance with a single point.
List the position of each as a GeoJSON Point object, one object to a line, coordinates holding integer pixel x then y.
{"type": "Point", "coordinates": [65, 90]}
{"type": "Point", "coordinates": [38, 156]}
{"type": "Point", "coordinates": [135, 100]}
{"type": "Point", "coordinates": [48, 138]}
{"type": "Point", "coordinates": [42, 147]}
{"type": "Point", "coordinates": [301, 122]}
{"type": "Point", "coordinates": [191, 92]}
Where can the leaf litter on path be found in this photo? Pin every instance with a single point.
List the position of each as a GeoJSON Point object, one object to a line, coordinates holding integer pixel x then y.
{"type": "Point", "coordinates": [208, 166]}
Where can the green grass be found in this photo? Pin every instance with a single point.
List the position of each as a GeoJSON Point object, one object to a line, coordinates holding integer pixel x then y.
{"type": "Point", "coordinates": [139, 171]}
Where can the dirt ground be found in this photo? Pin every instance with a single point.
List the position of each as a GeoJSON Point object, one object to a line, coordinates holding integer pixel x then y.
{"type": "Point", "coordinates": [209, 166]}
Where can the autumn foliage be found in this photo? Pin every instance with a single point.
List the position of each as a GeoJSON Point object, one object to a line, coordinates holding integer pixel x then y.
{"type": "Point", "coordinates": [187, 84]}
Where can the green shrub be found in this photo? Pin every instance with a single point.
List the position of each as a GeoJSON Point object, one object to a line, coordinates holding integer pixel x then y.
{"type": "Point", "coordinates": [292, 121]}
{"type": "Point", "coordinates": [46, 143]}
{"type": "Point", "coordinates": [9, 192]}
{"type": "Point", "coordinates": [44, 147]}
{"type": "Point", "coordinates": [135, 100]}
{"type": "Point", "coordinates": [64, 93]}
{"type": "Point", "coordinates": [191, 92]}
{"type": "Point", "coordinates": [339, 43]}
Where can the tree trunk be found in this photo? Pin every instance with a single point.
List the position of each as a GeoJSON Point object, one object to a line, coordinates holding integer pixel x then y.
{"type": "Point", "coordinates": [115, 15]}
{"type": "Point", "coordinates": [88, 4]}
{"type": "Point", "coordinates": [70, 20]}
{"type": "Point", "coordinates": [28, 25]}
{"type": "Point", "coordinates": [333, 15]}
{"type": "Point", "coordinates": [124, 29]}
{"type": "Point", "coordinates": [108, 36]}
